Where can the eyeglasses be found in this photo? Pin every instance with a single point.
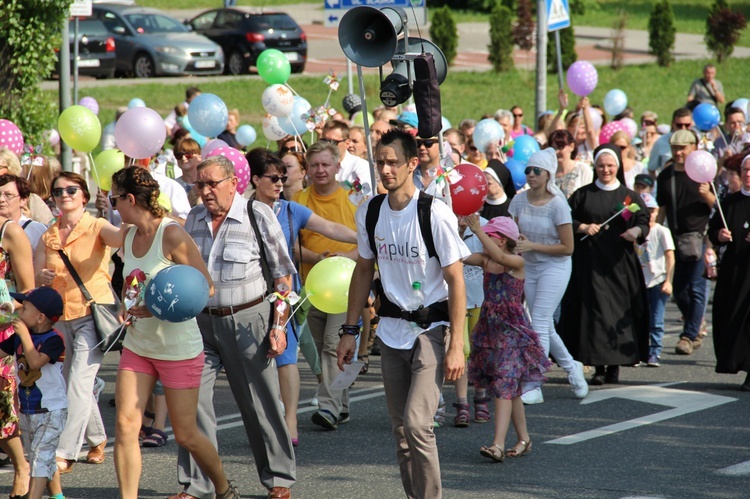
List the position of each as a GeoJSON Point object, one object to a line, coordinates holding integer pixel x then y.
{"type": "Point", "coordinates": [113, 199]}
{"type": "Point", "coordinates": [427, 143]}
{"type": "Point", "coordinates": [332, 141]}
{"type": "Point", "coordinates": [70, 191]}
{"type": "Point", "coordinates": [9, 196]}
{"type": "Point", "coordinates": [684, 126]}
{"type": "Point", "coordinates": [179, 156]}
{"type": "Point", "coordinates": [537, 171]}
{"type": "Point", "coordinates": [275, 178]}
{"type": "Point", "coordinates": [210, 183]}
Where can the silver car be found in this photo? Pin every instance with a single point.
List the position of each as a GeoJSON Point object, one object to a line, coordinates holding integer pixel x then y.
{"type": "Point", "coordinates": [149, 43]}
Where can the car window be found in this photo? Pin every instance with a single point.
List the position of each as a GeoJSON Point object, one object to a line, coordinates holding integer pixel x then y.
{"type": "Point", "coordinates": [228, 19]}
{"type": "Point", "coordinates": [111, 21]}
{"type": "Point", "coordinates": [204, 21]}
{"type": "Point", "coordinates": [272, 21]}
{"type": "Point", "coordinates": [90, 27]}
{"type": "Point", "coordinates": [155, 23]}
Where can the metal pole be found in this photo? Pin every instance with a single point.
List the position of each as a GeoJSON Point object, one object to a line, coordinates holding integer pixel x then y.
{"type": "Point", "coordinates": [366, 122]}
{"type": "Point", "coordinates": [559, 59]}
{"type": "Point", "coordinates": [541, 59]}
{"type": "Point", "coordinates": [64, 93]}
{"type": "Point", "coordinates": [349, 76]}
{"type": "Point", "coordinates": [75, 60]}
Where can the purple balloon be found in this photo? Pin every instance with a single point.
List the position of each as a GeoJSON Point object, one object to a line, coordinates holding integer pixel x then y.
{"type": "Point", "coordinates": [140, 132]}
{"type": "Point", "coordinates": [211, 145]}
{"type": "Point", "coordinates": [700, 166]}
{"type": "Point", "coordinates": [582, 78]}
{"type": "Point", "coordinates": [90, 103]}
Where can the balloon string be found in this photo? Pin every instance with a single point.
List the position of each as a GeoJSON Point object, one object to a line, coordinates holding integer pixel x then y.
{"type": "Point", "coordinates": [718, 205]}
{"type": "Point", "coordinates": [301, 143]}
{"type": "Point", "coordinates": [296, 132]}
{"type": "Point", "coordinates": [290, 88]}
{"type": "Point", "coordinates": [95, 170]}
{"type": "Point", "coordinates": [131, 162]}
{"type": "Point", "coordinates": [299, 305]}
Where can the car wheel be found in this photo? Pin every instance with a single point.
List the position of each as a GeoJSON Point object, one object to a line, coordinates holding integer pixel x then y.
{"type": "Point", "coordinates": [298, 68]}
{"type": "Point", "coordinates": [143, 66]}
{"type": "Point", "coordinates": [236, 64]}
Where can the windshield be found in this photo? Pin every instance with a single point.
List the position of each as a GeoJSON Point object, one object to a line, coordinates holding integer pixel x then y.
{"type": "Point", "coordinates": [155, 23]}
{"type": "Point", "coordinates": [272, 21]}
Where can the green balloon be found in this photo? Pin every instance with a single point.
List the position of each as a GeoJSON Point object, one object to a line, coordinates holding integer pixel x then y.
{"type": "Point", "coordinates": [105, 165]}
{"type": "Point", "coordinates": [328, 282]}
{"type": "Point", "coordinates": [273, 66]}
{"type": "Point", "coordinates": [80, 128]}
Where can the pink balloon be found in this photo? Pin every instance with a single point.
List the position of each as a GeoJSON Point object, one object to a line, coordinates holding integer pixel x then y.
{"type": "Point", "coordinates": [700, 166]}
{"type": "Point", "coordinates": [582, 78]}
{"type": "Point", "coordinates": [90, 103]}
{"type": "Point", "coordinates": [140, 132]}
{"type": "Point", "coordinates": [52, 136]}
{"type": "Point", "coordinates": [631, 126]}
{"type": "Point", "coordinates": [211, 145]}
{"type": "Point", "coordinates": [241, 166]}
{"type": "Point", "coordinates": [610, 129]}
{"type": "Point", "coordinates": [11, 137]}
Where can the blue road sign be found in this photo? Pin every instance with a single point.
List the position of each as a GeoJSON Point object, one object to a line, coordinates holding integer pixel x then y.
{"type": "Point", "coordinates": [334, 10]}
{"type": "Point", "coordinates": [558, 14]}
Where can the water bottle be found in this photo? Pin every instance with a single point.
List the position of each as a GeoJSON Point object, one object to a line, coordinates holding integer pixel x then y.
{"type": "Point", "coordinates": [416, 301]}
{"type": "Point", "coordinates": [711, 268]}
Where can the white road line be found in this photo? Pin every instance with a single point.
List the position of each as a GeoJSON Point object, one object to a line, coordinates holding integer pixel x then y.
{"type": "Point", "coordinates": [741, 469]}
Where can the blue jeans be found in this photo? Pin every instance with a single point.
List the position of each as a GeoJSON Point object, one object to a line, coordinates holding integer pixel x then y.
{"type": "Point", "coordinates": [657, 302]}
{"type": "Point", "coordinates": [690, 293]}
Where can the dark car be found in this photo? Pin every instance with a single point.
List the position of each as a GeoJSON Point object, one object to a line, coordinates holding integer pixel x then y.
{"type": "Point", "coordinates": [96, 49]}
{"type": "Point", "coordinates": [244, 35]}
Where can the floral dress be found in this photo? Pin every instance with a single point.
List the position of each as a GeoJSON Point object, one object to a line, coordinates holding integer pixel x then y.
{"type": "Point", "coordinates": [506, 356]}
{"type": "Point", "coordinates": [8, 395]}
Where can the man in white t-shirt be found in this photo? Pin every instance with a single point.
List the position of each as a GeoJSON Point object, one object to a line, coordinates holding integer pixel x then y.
{"type": "Point", "coordinates": [352, 167]}
{"type": "Point", "coordinates": [413, 354]}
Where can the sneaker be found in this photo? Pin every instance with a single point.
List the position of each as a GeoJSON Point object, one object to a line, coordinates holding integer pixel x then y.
{"type": "Point", "coordinates": [98, 387]}
{"type": "Point", "coordinates": [577, 381]}
{"type": "Point", "coordinates": [325, 419]}
{"type": "Point", "coordinates": [343, 418]}
{"type": "Point", "coordinates": [697, 343]}
{"type": "Point", "coordinates": [533, 397]}
{"type": "Point", "coordinates": [684, 347]}
{"type": "Point", "coordinates": [439, 418]}
{"type": "Point", "coordinates": [653, 361]}
{"type": "Point", "coordinates": [314, 401]}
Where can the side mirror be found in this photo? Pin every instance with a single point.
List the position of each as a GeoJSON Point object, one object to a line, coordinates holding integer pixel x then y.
{"type": "Point", "coordinates": [119, 30]}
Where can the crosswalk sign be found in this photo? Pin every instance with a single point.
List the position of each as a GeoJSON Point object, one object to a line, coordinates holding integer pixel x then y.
{"type": "Point", "coordinates": [558, 14]}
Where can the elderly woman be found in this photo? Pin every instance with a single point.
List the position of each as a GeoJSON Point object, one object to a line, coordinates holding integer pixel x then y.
{"type": "Point", "coordinates": [37, 209]}
{"type": "Point", "coordinates": [87, 242]}
{"type": "Point", "coordinates": [14, 198]}
{"type": "Point", "coordinates": [605, 318]}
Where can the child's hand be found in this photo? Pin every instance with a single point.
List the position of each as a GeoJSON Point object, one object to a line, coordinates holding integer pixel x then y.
{"type": "Point", "coordinates": [140, 312]}
{"type": "Point", "coordinates": [666, 288]}
{"type": "Point", "coordinates": [20, 328]}
{"type": "Point", "coordinates": [473, 222]}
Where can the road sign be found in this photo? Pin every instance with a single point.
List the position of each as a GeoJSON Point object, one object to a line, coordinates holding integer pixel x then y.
{"type": "Point", "coordinates": [334, 10]}
{"type": "Point", "coordinates": [558, 14]}
{"type": "Point", "coordinates": [80, 8]}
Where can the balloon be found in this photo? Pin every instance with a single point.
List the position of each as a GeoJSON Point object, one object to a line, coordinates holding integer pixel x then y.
{"type": "Point", "coordinates": [470, 191]}
{"type": "Point", "coordinates": [90, 103]}
{"type": "Point", "coordinates": [610, 129]}
{"type": "Point", "coordinates": [615, 102]}
{"type": "Point", "coordinates": [208, 115]}
{"type": "Point", "coordinates": [241, 166]}
{"type": "Point", "coordinates": [177, 293]}
{"type": "Point", "coordinates": [246, 135]}
{"type": "Point", "coordinates": [741, 104]}
{"type": "Point", "coordinates": [105, 165]}
{"type": "Point", "coordinates": [165, 202]}
{"type": "Point", "coordinates": [52, 136]}
{"type": "Point", "coordinates": [211, 145]}
{"type": "Point", "coordinates": [631, 126]}
{"type": "Point", "coordinates": [80, 128]}
{"type": "Point", "coordinates": [700, 166]}
{"type": "Point", "coordinates": [271, 128]}
{"type": "Point", "coordinates": [445, 123]}
{"type": "Point", "coordinates": [140, 132]}
{"type": "Point", "coordinates": [359, 120]}
{"type": "Point", "coordinates": [273, 66]}
{"type": "Point", "coordinates": [706, 116]}
{"type": "Point", "coordinates": [582, 78]}
{"type": "Point", "coordinates": [486, 132]}
{"type": "Point", "coordinates": [136, 102]}
{"type": "Point", "coordinates": [524, 146]}
{"type": "Point", "coordinates": [11, 137]}
{"type": "Point", "coordinates": [277, 100]}
{"type": "Point", "coordinates": [327, 284]}
{"type": "Point", "coordinates": [296, 122]}
{"type": "Point", "coordinates": [595, 117]}
{"type": "Point", "coordinates": [517, 172]}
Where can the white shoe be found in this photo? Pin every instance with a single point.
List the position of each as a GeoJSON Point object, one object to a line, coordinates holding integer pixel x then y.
{"type": "Point", "coordinates": [314, 401]}
{"type": "Point", "coordinates": [577, 381]}
{"type": "Point", "coordinates": [533, 397]}
{"type": "Point", "coordinates": [98, 387]}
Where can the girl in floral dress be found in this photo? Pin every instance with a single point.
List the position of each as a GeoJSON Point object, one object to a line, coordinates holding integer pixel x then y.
{"type": "Point", "coordinates": [506, 356]}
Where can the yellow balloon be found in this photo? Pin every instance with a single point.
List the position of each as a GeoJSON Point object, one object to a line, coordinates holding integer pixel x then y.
{"type": "Point", "coordinates": [165, 202]}
{"type": "Point", "coordinates": [328, 282]}
{"type": "Point", "coordinates": [80, 128]}
{"type": "Point", "coordinates": [105, 165]}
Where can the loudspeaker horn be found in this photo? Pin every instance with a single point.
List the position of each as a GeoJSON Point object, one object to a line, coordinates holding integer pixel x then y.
{"type": "Point", "coordinates": [368, 36]}
{"type": "Point", "coordinates": [395, 88]}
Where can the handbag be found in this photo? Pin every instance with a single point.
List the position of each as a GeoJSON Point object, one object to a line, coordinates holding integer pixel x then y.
{"type": "Point", "coordinates": [109, 328]}
{"type": "Point", "coordinates": [689, 247]}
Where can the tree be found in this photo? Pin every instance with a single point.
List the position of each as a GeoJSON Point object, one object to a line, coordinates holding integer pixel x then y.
{"type": "Point", "coordinates": [525, 28]}
{"type": "Point", "coordinates": [501, 39]}
{"type": "Point", "coordinates": [723, 29]}
{"type": "Point", "coordinates": [29, 35]}
{"type": "Point", "coordinates": [567, 48]}
{"type": "Point", "coordinates": [444, 32]}
{"type": "Point", "coordinates": [661, 33]}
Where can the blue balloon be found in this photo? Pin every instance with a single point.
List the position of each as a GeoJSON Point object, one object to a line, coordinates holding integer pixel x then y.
{"type": "Point", "coordinates": [486, 132]}
{"type": "Point", "coordinates": [517, 172]}
{"type": "Point", "coordinates": [177, 293]}
{"type": "Point", "coordinates": [741, 104]}
{"type": "Point", "coordinates": [523, 147]}
{"type": "Point", "coordinates": [208, 114]}
{"type": "Point", "coordinates": [706, 116]}
{"type": "Point", "coordinates": [615, 102]}
{"type": "Point", "coordinates": [445, 124]}
{"type": "Point", "coordinates": [136, 102]}
{"type": "Point", "coordinates": [246, 135]}
{"type": "Point", "coordinates": [296, 122]}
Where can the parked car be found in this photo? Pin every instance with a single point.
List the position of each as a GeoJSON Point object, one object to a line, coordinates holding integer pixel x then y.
{"type": "Point", "coordinates": [244, 35]}
{"type": "Point", "coordinates": [150, 43]}
{"type": "Point", "coordinates": [96, 49]}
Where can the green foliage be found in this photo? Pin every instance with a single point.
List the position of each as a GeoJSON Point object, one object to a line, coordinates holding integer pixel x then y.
{"type": "Point", "coordinates": [580, 7]}
{"type": "Point", "coordinates": [661, 33]}
{"type": "Point", "coordinates": [29, 35]}
{"type": "Point", "coordinates": [723, 29]}
{"type": "Point", "coordinates": [524, 28]}
{"type": "Point", "coordinates": [444, 32]}
{"type": "Point", "coordinates": [501, 39]}
{"type": "Point", "coordinates": [567, 47]}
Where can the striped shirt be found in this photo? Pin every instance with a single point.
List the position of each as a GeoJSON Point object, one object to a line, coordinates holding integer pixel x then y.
{"type": "Point", "coordinates": [234, 261]}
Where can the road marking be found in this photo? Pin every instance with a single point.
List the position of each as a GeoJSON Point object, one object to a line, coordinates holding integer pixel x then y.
{"type": "Point", "coordinates": [682, 402]}
{"type": "Point", "coordinates": [741, 469]}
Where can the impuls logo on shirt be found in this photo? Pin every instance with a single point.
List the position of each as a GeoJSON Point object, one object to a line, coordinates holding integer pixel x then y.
{"type": "Point", "coordinates": [397, 252]}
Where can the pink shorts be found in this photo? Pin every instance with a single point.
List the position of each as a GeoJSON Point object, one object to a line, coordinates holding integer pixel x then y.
{"type": "Point", "coordinates": [178, 374]}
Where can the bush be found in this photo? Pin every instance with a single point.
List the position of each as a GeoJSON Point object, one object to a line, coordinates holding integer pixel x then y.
{"type": "Point", "coordinates": [501, 39]}
{"type": "Point", "coordinates": [661, 33]}
{"type": "Point", "coordinates": [444, 32]}
{"type": "Point", "coordinates": [524, 29]}
{"type": "Point", "coordinates": [723, 28]}
{"type": "Point", "coordinates": [567, 48]}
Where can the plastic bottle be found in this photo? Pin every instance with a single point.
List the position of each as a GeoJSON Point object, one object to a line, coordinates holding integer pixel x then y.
{"type": "Point", "coordinates": [711, 268]}
{"type": "Point", "coordinates": [416, 301]}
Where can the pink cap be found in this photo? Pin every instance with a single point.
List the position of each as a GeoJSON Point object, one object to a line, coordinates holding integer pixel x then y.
{"type": "Point", "coordinates": [503, 226]}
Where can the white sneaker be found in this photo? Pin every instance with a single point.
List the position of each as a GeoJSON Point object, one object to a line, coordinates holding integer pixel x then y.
{"type": "Point", "coordinates": [98, 387]}
{"type": "Point", "coordinates": [577, 381]}
{"type": "Point", "coordinates": [533, 397]}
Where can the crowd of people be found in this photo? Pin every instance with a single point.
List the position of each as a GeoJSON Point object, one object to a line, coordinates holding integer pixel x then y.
{"type": "Point", "coordinates": [573, 265]}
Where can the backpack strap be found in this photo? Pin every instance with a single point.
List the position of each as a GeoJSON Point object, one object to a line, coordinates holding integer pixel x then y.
{"type": "Point", "coordinates": [371, 220]}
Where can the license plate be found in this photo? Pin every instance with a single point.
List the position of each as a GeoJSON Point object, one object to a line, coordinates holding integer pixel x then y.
{"type": "Point", "coordinates": [292, 56]}
{"type": "Point", "coordinates": [205, 64]}
{"type": "Point", "coordinates": [88, 63]}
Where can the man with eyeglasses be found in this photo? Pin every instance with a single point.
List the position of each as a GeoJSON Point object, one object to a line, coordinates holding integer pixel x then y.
{"type": "Point", "coordinates": [734, 138]}
{"type": "Point", "coordinates": [353, 169]}
{"type": "Point", "coordinates": [661, 152]}
{"type": "Point", "coordinates": [242, 331]}
{"type": "Point", "coordinates": [14, 196]}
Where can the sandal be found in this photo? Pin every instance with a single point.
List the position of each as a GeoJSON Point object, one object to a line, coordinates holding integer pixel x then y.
{"type": "Point", "coordinates": [230, 493]}
{"type": "Point", "coordinates": [522, 447]}
{"type": "Point", "coordinates": [96, 454]}
{"type": "Point", "coordinates": [481, 411]}
{"type": "Point", "coordinates": [64, 465]}
{"type": "Point", "coordinates": [157, 438]}
{"type": "Point", "coordinates": [462, 415]}
{"type": "Point", "coordinates": [493, 452]}
{"type": "Point", "coordinates": [366, 366]}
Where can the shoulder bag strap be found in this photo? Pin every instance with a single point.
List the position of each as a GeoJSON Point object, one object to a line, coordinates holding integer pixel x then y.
{"type": "Point", "coordinates": [674, 199]}
{"type": "Point", "coordinates": [261, 248]}
{"type": "Point", "coordinates": [75, 276]}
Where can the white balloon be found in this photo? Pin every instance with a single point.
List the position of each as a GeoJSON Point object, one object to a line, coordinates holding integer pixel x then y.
{"type": "Point", "coordinates": [271, 128]}
{"type": "Point", "coordinates": [278, 100]}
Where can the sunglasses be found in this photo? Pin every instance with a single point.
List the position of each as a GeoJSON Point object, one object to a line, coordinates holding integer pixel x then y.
{"type": "Point", "coordinates": [537, 171]}
{"type": "Point", "coordinates": [427, 143]}
{"type": "Point", "coordinates": [183, 155]}
{"type": "Point", "coordinates": [70, 191]}
{"type": "Point", "coordinates": [684, 126]}
{"type": "Point", "coordinates": [275, 178]}
{"type": "Point", "coordinates": [518, 115]}
{"type": "Point", "coordinates": [285, 150]}
{"type": "Point", "coordinates": [113, 199]}
{"type": "Point", "coordinates": [332, 141]}
{"type": "Point", "coordinates": [623, 148]}
{"type": "Point", "coordinates": [648, 122]}
{"type": "Point", "coordinates": [212, 184]}
{"type": "Point", "coordinates": [473, 148]}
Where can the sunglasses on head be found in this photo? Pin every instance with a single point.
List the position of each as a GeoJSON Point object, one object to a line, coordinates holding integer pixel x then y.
{"type": "Point", "coordinates": [70, 191]}
{"type": "Point", "coordinates": [537, 171]}
{"type": "Point", "coordinates": [427, 143]}
{"type": "Point", "coordinates": [275, 178]}
{"type": "Point", "coordinates": [212, 184]}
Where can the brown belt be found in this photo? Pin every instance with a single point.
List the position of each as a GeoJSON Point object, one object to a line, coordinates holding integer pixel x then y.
{"type": "Point", "coordinates": [224, 311]}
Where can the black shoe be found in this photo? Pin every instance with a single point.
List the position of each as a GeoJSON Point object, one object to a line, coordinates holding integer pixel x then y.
{"type": "Point", "coordinates": [597, 380]}
{"type": "Point", "coordinates": [613, 375]}
{"type": "Point", "coordinates": [745, 387]}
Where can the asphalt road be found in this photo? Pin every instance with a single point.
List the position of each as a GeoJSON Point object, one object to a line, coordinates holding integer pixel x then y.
{"type": "Point", "coordinates": [642, 447]}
